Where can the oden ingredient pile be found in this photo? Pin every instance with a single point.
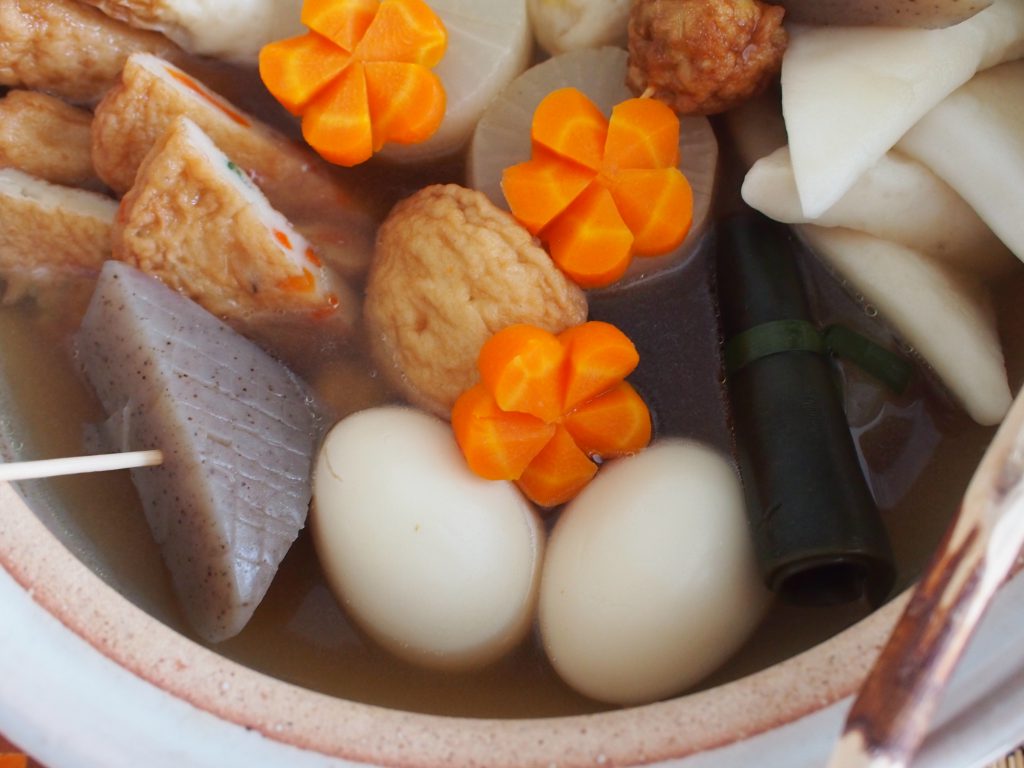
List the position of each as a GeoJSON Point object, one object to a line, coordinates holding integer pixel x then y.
{"type": "Point", "coordinates": [483, 235]}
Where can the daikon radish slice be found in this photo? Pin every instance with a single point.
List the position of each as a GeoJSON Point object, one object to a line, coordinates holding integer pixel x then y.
{"type": "Point", "coordinates": [948, 318]}
{"type": "Point", "coordinates": [896, 199]}
{"type": "Point", "coordinates": [974, 140]}
{"type": "Point", "coordinates": [850, 93]}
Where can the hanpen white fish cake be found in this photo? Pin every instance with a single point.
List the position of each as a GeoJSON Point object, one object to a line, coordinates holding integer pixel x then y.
{"type": "Point", "coordinates": [237, 430]}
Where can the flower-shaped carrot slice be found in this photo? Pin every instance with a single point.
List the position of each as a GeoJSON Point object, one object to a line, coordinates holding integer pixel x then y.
{"type": "Point", "coordinates": [547, 406]}
{"type": "Point", "coordinates": [361, 76]}
{"type": "Point", "coordinates": [599, 191]}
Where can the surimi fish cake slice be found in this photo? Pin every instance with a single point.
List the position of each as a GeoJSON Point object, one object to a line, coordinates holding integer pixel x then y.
{"type": "Point", "coordinates": [229, 29]}
{"type": "Point", "coordinates": [196, 221]}
{"type": "Point", "coordinates": [67, 48]}
{"type": "Point", "coordinates": [49, 233]}
{"type": "Point", "coordinates": [153, 93]}
{"type": "Point", "coordinates": [47, 138]}
{"type": "Point", "coordinates": [236, 430]}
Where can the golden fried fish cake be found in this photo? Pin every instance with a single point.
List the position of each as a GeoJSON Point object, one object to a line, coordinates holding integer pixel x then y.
{"type": "Point", "coordinates": [153, 92]}
{"type": "Point", "coordinates": [68, 49]}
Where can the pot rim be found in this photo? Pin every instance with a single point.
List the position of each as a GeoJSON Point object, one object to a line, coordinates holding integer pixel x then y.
{"type": "Point", "coordinates": [364, 733]}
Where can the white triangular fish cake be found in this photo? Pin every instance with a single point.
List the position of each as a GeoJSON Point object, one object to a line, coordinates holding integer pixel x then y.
{"type": "Point", "coordinates": [974, 140]}
{"type": "Point", "coordinates": [897, 199]}
{"type": "Point", "coordinates": [947, 317]}
{"type": "Point", "coordinates": [237, 430]}
{"type": "Point", "coordinates": [850, 93]}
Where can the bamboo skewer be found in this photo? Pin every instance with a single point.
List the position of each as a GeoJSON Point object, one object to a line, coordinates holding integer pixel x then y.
{"type": "Point", "coordinates": [32, 470]}
{"type": "Point", "coordinates": [890, 717]}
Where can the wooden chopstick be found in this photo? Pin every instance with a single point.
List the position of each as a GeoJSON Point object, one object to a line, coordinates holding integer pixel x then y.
{"type": "Point", "coordinates": [891, 715]}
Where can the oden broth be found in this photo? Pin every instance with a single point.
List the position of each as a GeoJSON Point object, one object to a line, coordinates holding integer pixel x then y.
{"type": "Point", "coordinates": [921, 454]}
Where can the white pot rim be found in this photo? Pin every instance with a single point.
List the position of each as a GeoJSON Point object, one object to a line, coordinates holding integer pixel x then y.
{"type": "Point", "coordinates": [105, 680]}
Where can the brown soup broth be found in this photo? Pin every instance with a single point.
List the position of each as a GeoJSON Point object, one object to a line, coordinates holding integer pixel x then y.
{"type": "Point", "coordinates": [919, 453]}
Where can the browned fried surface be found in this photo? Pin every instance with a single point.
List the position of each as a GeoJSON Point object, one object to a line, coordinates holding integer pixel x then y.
{"type": "Point", "coordinates": [704, 56]}
{"type": "Point", "coordinates": [450, 270]}
{"type": "Point", "coordinates": [142, 13]}
{"type": "Point", "coordinates": [67, 48]}
{"type": "Point", "coordinates": [133, 116]}
{"type": "Point", "coordinates": [187, 222]}
{"type": "Point", "coordinates": [45, 137]}
{"type": "Point", "coordinates": [48, 233]}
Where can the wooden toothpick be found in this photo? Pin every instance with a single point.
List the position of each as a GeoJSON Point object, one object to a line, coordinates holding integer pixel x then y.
{"type": "Point", "coordinates": [76, 465]}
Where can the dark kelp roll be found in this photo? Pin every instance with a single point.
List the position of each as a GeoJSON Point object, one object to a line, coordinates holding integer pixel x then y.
{"type": "Point", "coordinates": [816, 528]}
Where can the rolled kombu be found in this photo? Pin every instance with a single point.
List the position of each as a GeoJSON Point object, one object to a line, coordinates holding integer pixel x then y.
{"type": "Point", "coordinates": [817, 531]}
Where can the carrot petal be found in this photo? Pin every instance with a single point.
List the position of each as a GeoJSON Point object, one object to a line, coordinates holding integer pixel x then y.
{"type": "Point", "coordinates": [567, 123]}
{"type": "Point", "coordinates": [297, 69]}
{"type": "Point", "coordinates": [343, 22]}
{"type": "Point", "coordinates": [522, 367]}
{"type": "Point", "coordinates": [497, 445]}
{"type": "Point", "coordinates": [337, 122]}
{"type": "Point", "coordinates": [406, 31]}
{"type": "Point", "coordinates": [616, 423]}
{"type": "Point", "coordinates": [600, 356]}
{"type": "Point", "coordinates": [657, 206]}
{"type": "Point", "coordinates": [558, 472]}
{"type": "Point", "coordinates": [589, 241]}
{"type": "Point", "coordinates": [407, 102]}
{"type": "Point", "coordinates": [642, 133]}
{"type": "Point", "coordinates": [540, 189]}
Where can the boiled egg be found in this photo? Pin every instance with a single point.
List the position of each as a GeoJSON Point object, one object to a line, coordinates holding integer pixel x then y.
{"type": "Point", "coordinates": [650, 580]}
{"type": "Point", "coordinates": [438, 565]}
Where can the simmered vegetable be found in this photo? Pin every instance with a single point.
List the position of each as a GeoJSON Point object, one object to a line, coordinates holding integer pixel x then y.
{"type": "Point", "coordinates": [361, 77]}
{"type": "Point", "coordinates": [503, 137]}
{"type": "Point", "coordinates": [598, 191]}
{"type": "Point", "coordinates": [817, 532]}
{"type": "Point", "coordinates": [546, 406]}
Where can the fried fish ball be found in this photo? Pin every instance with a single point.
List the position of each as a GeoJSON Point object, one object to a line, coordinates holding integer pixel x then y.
{"type": "Point", "coordinates": [68, 49]}
{"type": "Point", "coordinates": [704, 56]}
{"type": "Point", "coordinates": [450, 270]}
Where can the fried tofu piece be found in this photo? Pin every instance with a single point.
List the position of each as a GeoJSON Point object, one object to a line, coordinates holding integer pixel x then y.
{"type": "Point", "coordinates": [154, 92]}
{"type": "Point", "coordinates": [50, 234]}
{"type": "Point", "coordinates": [199, 224]}
{"type": "Point", "coordinates": [68, 49]}
{"type": "Point", "coordinates": [47, 138]}
{"type": "Point", "coordinates": [198, 26]}
{"type": "Point", "coordinates": [450, 270]}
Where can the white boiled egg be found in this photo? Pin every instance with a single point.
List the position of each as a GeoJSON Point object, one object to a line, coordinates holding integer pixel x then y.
{"type": "Point", "coordinates": [650, 580]}
{"type": "Point", "coordinates": [438, 565]}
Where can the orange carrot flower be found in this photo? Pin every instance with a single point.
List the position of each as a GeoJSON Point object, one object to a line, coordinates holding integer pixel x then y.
{"type": "Point", "coordinates": [361, 77]}
{"type": "Point", "coordinates": [598, 191]}
{"type": "Point", "coordinates": [547, 406]}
